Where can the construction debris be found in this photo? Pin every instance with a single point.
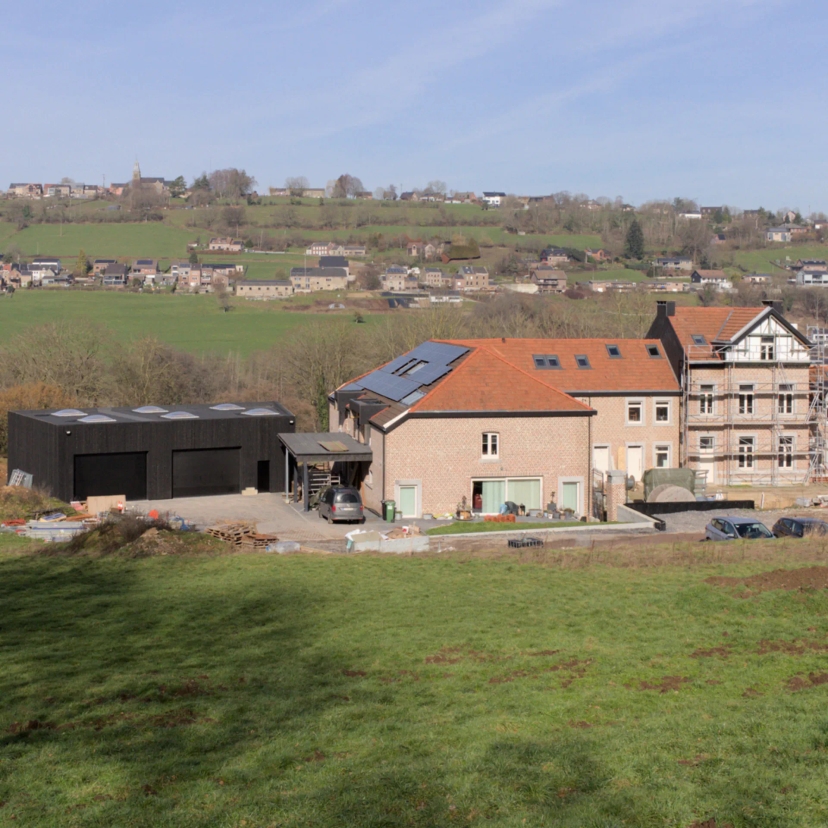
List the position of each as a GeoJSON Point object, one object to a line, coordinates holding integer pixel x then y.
{"type": "Point", "coordinates": [241, 535]}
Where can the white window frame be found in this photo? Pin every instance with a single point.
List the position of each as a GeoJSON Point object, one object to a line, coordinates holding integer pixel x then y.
{"type": "Point", "coordinates": [767, 350]}
{"type": "Point", "coordinates": [505, 480]}
{"type": "Point", "coordinates": [743, 457]}
{"type": "Point", "coordinates": [746, 399]}
{"type": "Point", "coordinates": [559, 493]}
{"type": "Point", "coordinates": [659, 448]}
{"type": "Point", "coordinates": [486, 452]}
{"type": "Point", "coordinates": [707, 399]}
{"type": "Point", "coordinates": [786, 400]}
{"type": "Point", "coordinates": [641, 407]}
{"type": "Point", "coordinates": [785, 457]}
{"type": "Point", "coordinates": [668, 404]}
{"type": "Point", "coordinates": [712, 447]}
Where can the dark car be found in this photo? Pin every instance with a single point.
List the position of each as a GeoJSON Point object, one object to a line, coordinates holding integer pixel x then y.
{"type": "Point", "coordinates": [799, 527]}
{"type": "Point", "coordinates": [736, 528]}
{"type": "Point", "coordinates": [341, 503]}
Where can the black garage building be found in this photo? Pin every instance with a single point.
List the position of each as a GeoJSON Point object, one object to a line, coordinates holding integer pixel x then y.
{"type": "Point", "coordinates": [152, 452]}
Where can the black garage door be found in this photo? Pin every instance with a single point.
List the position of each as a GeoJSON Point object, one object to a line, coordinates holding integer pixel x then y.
{"type": "Point", "coordinates": [202, 472]}
{"type": "Point", "coordinates": [111, 474]}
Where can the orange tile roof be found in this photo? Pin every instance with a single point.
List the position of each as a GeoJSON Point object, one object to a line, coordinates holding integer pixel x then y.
{"type": "Point", "coordinates": [714, 324]}
{"type": "Point", "coordinates": [635, 371]}
{"type": "Point", "coordinates": [485, 381]}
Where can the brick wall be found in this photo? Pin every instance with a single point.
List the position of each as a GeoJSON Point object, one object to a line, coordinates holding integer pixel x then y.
{"type": "Point", "coordinates": [445, 456]}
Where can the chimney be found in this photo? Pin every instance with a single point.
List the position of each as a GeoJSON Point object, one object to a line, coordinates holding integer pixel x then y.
{"type": "Point", "coordinates": [665, 308]}
{"type": "Point", "coordinates": [776, 304]}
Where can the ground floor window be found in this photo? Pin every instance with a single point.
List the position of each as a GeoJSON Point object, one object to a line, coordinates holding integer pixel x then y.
{"type": "Point", "coordinates": [746, 449]}
{"type": "Point", "coordinates": [785, 457]}
{"type": "Point", "coordinates": [662, 456]}
{"type": "Point", "coordinates": [489, 495]}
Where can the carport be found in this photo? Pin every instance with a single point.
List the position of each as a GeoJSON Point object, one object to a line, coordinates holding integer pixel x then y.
{"type": "Point", "coordinates": [340, 451]}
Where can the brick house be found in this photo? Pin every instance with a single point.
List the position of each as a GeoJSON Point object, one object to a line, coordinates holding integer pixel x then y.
{"type": "Point", "coordinates": [144, 267]}
{"type": "Point", "coordinates": [523, 420]}
{"type": "Point", "coordinates": [474, 278]}
{"type": "Point", "coordinates": [746, 392]}
{"type": "Point", "coordinates": [311, 279]}
{"type": "Point", "coordinates": [226, 245]}
{"type": "Point", "coordinates": [264, 288]}
{"type": "Point", "coordinates": [549, 279]}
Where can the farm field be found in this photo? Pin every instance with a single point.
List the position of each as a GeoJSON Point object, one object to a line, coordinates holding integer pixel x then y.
{"type": "Point", "coordinates": [194, 323]}
{"type": "Point", "coordinates": [762, 261]}
{"type": "Point", "coordinates": [620, 274]}
{"type": "Point", "coordinates": [539, 689]}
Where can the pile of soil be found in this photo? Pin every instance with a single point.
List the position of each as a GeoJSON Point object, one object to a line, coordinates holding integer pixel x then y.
{"type": "Point", "coordinates": [809, 577]}
{"type": "Point", "coordinates": [18, 502]}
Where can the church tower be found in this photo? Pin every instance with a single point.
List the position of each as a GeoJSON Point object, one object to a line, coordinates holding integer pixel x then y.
{"type": "Point", "coordinates": [136, 171]}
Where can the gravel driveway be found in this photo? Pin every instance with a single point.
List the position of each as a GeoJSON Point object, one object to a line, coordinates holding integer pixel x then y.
{"type": "Point", "coordinates": [696, 521]}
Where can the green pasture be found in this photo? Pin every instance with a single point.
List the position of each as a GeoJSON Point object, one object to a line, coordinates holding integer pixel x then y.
{"type": "Point", "coordinates": [620, 274]}
{"type": "Point", "coordinates": [764, 260]}
{"type": "Point", "coordinates": [451, 690]}
{"type": "Point", "coordinates": [195, 323]}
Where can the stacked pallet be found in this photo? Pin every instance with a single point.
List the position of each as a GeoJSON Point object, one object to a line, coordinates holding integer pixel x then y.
{"type": "Point", "coordinates": [241, 535]}
{"type": "Point", "coordinates": [499, 518]}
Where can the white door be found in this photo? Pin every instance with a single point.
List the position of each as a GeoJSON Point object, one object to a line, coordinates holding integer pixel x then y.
{"type": "Point", "coordinates": [635, 461]}
{"type": "Point", "coordinates": [707, 458]}
{"type": "Point", "coordinates": [571, 496]}
{"type": "Point", "coordinates": [601, 458]}
{"type": "Point", "coordinates": [408, 501]}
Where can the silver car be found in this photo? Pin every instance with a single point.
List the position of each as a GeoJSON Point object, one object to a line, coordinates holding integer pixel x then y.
{"type": "Point", "coordinates": [341, 503]}
{"type": "Point", "coordinates": [736, 528]}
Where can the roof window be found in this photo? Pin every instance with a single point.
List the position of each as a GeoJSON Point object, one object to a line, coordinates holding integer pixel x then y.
{"type": "Point", "coordinates": [150, 409]}
{"type": "Point", "coordinates": [546, 361]}
{"type": "Point", "coordinates": [653, 351]}
{"type": "Point", "coordinates": [97, 418]}
{"type": "Point", "coordinates": [227, 407]}
{"type": "Point", "coordinates": [614, 351]}
{"type": "Point", "coordinates": [582, 361]}
{"type": "Point", "coordinates": [260, 412]}
{"type": "Point", "coordinates": [698, 339]}
{"type": "Point", "coordinates": [180, 415]}
{"type": "Point", "coordinates": [69, 412]}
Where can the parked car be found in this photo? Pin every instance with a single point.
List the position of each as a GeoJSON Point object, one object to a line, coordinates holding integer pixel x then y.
{"type": "Point", "coordinates": [341, 503]}
{"type": "Point", "coordinates": [799, 527]}
{"type": "Point", "coordinates": [735, 528]}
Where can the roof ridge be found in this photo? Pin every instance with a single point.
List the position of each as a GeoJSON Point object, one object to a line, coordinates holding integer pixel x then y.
{"type": "Point", "coordinates": [453, 372]}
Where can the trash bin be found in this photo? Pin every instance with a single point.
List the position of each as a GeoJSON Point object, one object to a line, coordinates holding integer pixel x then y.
{"type": "Point", "coordinates": [389, 508]}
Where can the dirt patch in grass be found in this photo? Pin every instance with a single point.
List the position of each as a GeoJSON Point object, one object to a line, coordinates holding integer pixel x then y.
{"type": "Point", "coordinates": [751, 693]}
{"type": "Point", "coordinates": [806, 682]}
{"type": "Point", "coordinates": [354, 673]}
{"type": "Point", "coordinates": [809, 577]}
{"type": "Point", "coordinates": [696, 760]}
{"type": "Point", "coordinates": [575, 668]}
{"type": "Point", "coordinates": [711, 652]}
{"type": "Point", "coordinates": [794, 647]}
{"type": "Point", "coordinates": [711, 823]}
{"type": "Point", "coordinates": [24, 728]}
{"type": "Point", "coordinates": [666, 685]}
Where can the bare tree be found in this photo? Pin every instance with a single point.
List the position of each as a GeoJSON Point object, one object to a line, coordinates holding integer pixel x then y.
{"type": "Point", "coordinates": [297, 185]}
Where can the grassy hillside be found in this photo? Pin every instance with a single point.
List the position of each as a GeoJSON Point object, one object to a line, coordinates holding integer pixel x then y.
{"type": "Point", "coordinates": [192, 323]}
{"type": "Point", "coordinates": [764, 261]}
{"type": "Point", "coordinates": [329, 691]}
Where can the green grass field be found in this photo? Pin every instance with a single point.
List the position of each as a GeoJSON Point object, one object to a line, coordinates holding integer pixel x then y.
{"type": "Point", "coordinates": [193, 323]}
{"type": "Point", "coordinates": [447, 690]}
{"type": "Point", "coordinates": [763, 261]}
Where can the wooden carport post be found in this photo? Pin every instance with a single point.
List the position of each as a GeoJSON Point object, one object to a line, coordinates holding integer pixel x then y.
{"type": "Point", "coordinates": [305, 494]}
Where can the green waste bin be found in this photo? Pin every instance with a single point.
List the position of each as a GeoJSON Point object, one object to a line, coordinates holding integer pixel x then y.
{"type": "Point", "coordinates": [389, 508]}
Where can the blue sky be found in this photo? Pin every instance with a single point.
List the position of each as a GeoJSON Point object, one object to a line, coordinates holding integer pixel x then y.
{"type": "Point", "coordinates": [721, 101]}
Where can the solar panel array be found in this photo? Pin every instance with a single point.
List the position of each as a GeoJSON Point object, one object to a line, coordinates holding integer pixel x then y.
{"type": "Point", "coordinates": [432, 361]}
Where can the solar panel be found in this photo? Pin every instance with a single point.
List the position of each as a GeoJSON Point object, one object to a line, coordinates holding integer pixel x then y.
{"type": "Point", "coordinates": [387, 385]}
{"type": "Point", "coordinates": [396, 364]}
{"type": "Point", "coordinates": [430, 373]}
{"type": "Point", "coordinates": [438, 352]}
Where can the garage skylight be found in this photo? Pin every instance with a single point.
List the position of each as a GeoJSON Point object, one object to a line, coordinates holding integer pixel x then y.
{"type": "Point", "coordinates": [69, 412]}
{"type": "Point", "coordinates": [260, 412]}
{"type": "Point", "coordinates": [97, 418]}
{"type": "Point", "coordinates": [180, 415]}
{"type": "Point", "coordinates": [227, 407]}
{"type": "Point", "coordinates": [150, 409]}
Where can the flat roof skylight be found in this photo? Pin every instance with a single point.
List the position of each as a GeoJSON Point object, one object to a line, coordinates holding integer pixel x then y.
{"type": "Point", "coordinates": [227, 407]}
{"type": "Point", "coordinates": [69, 412]}
{"type": "Point", "coordinates": [260, 412]}
{"type": "Point", "coordinates": [180, 415]}
{"type": "Point", "coordinates": [97, 418]}
{"type": "Point", "coordinates": [150, 409]}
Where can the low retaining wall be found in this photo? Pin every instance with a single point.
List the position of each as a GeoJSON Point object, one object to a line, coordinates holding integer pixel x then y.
{"type": "Point", "coordinates": [694, 506]}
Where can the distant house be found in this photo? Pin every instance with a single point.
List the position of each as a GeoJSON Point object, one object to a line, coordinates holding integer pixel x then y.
{"type": "Point", "coordinates": [353, 250]}
{"type": "Point", "coordinates": [100, 265]}
{"type": "Point", "coordinates": [691, 215]}
{"type": "Point", "coordinates": [599, 255]}
{"type": "Point", "coordinates": [145, 267]}
{"type": "Point", "coordinates": [710, 211]}
{"type": "Point", "coordinates": [26, 190]}
{"type": "Point", "coordinates": [554, 256]}
{"type": "Point", "coordinates": [50, 262]}
{"type": "Point", "coordinates": [778, 234]}
{"type": "Point", "coordinates": [812, 277]}
{"type": "Point", "coordinates": [608, 286]}
{"type": "Point", "coordinates": [493, 199]}
{"type": "Point", "coordinates": [549, 280]}
{"type": "Point", "coordinates": [226, 244]}
{"type": "Point", "coordinates": [115, 275]}
{"type": "Point", "coordinates": [667, 287]}
{"type": "Point", "coordinates": [434, 277]}
{"type": "Point", "coordinates": [57, 190]}
{"type": "Point", "coordinates": [312, 279]}
{"type": "Point", "coordinates": [335, 261]}
{"type": "Point", "coordinates": [415, 248]}
{"type": "Point", "coordinates": [717, 278]}
{"type": "Point", "coordinates": [719, 238]}
{"type": "Point", "coordinates": [674, 263]}
{"type": "Point", "coordinates": [264, 288]}
{"type": "Point", "coordinates": [474, 278]}
{"type": "Point", "coordinates": [56, 279]}
{"type": "Point", "coordinates": [319, 249]}
{"type": "Point", "coordinates": [314, 192]}
{"type": "Point", "coordinates": [396, 278]}
{"type": "Point", "coordinates": [756, 278]}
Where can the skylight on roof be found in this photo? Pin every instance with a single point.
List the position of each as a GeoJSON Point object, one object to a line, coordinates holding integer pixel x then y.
{"type": "Point", "coordinates": [97, 418]}
{"type": "Point", "coordinates": [582, 361]}
{"type": "Point", "coordinates": [698, 339]}
{"type": "Point", "coordinates": [614, 351]}
{"type": "Point", "coordinates": [546, 361]}
{"type": "Point", "coordinates": [69, 412]}
{"type": "Point", "coordinates": [180, 415]}
{"type": "Point", "coordinates": [260, 412]}
{"type": "Point", "coordinates": [150, 409]}
{"type": "Point", "coordinates": [653, 351]}
{"type": "Point", "coordinates": [227, 407]}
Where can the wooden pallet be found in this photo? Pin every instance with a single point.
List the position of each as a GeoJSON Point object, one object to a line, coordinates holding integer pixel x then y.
{"type": "Point", "coordinates": [240, 534]}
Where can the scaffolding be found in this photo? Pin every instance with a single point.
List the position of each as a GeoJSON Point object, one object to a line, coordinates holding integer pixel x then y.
{"type": "Point", "coordinates": [742, 431]}
{"type": "Point", "coordinates": [817, 414]}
